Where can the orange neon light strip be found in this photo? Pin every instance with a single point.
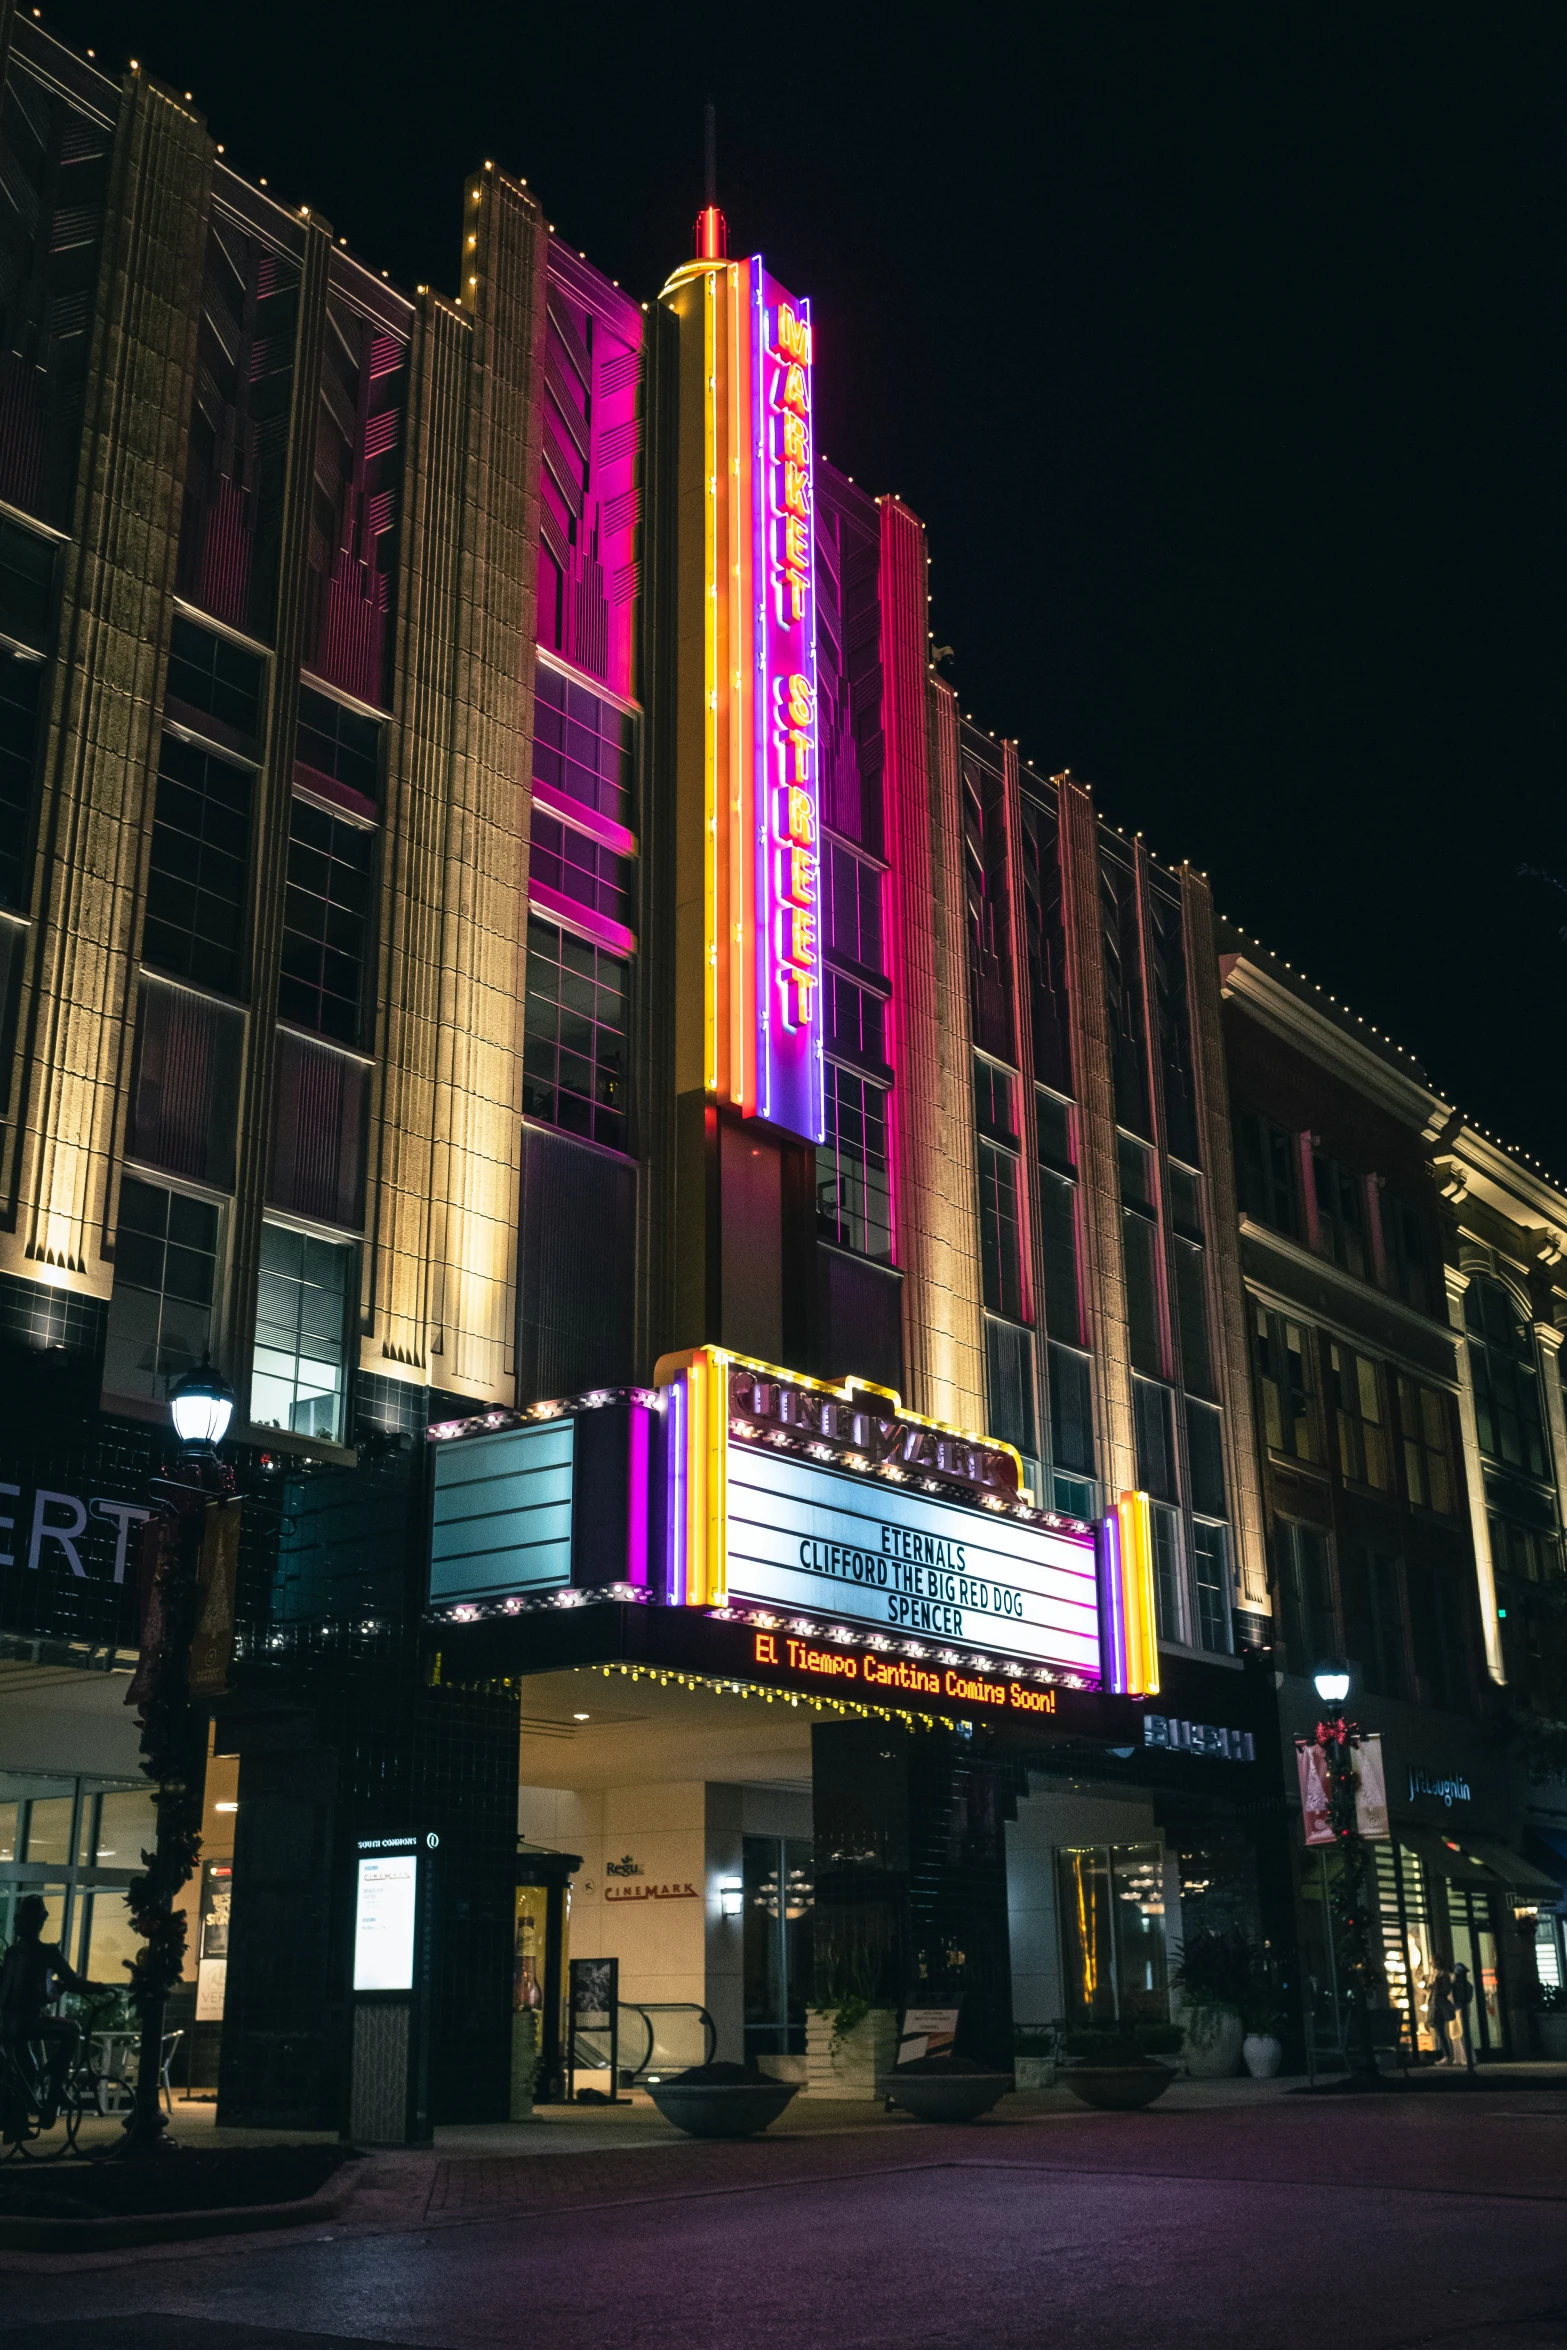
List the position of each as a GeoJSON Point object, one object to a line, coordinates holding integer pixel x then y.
{"type": "Point", "coordinates": [1137, 1592]}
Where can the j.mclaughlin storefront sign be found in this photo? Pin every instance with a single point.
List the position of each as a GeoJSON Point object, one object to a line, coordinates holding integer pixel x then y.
{"type": "Point", "coordinates": [1446, 1791]}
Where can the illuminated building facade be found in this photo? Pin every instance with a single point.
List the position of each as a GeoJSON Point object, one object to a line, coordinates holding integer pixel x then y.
{"type": "Point", "coordinates": [712, 1180]}
{"type": "Point", "coordinates": [1406, 1310]}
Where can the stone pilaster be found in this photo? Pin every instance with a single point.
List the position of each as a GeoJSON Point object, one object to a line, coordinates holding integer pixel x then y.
{"type": "Point", "coordinates": [118, 575]}
{"type": "Point", "coordinates": [1103, 1271]}
{"type": "Point", "coordinates": [936, 1199]}
{"type": "Point", "coordinates": [1227, 1302]}
{"type": "Point", "coordinates": [1474, 1479]}
{"type": "Point", "coordinates": [441, 1266]}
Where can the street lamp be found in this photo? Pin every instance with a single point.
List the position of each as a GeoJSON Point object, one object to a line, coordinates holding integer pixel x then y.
{"type": "Point", "coordinates": [173, 1729]}
{"type": "Point", "coordinates": [1338, 1739]}
{"type": "Point", "coordinates": [203, 1405]}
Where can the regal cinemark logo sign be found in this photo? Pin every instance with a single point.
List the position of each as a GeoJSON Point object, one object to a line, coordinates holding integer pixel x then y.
{"type": "Point", "coordinates": [866, 1429]}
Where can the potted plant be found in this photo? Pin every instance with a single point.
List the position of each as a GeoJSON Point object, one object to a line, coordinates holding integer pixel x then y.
{"type": "Point", "coordinates": [850, 2030]}
{"type": "Point", "coordinates": [1262, 2048]}
{"type": "Point", "coordinates": [1214, 1979]}
{"type": "Point", "coordinates": [1551, 2022]}
{"type": "Point", "coordinates": [1117, 2067]}
{"type": "Point", "coordinates": [1034, 2053]}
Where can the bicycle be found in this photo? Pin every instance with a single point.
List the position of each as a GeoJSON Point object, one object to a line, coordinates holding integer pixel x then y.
{"type": "Point", "coordinates": [24, 2086]}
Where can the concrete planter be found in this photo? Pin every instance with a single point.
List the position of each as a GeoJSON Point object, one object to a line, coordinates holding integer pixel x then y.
{"type": "Point", "coordinates": [721, 2109]}
{"type": "Point", "coordinates": [1119, 2088]}
{"type": "Point", "coordinates": [1213, 2043]}
{"type": "Point", "coordinates": [945, 2097]}
{"type": "Point", "coordinates": [850, 2069]}
{"type": "Point", "coordinates": [1033, 2072]}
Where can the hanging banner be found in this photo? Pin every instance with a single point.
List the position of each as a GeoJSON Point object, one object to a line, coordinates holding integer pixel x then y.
{"type": "Point", "coordinates": [212, 1643]}
{"type": "Point", "coordinates": [1311, 1764]}
{"type": "Point", "coordinates": [1370, 1787]}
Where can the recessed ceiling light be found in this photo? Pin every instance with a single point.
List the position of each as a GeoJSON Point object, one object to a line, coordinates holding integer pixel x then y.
{"type": "Point", "coordinates": [582, 1717]}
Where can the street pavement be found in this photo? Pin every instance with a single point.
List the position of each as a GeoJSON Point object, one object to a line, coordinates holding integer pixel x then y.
{"type": "Point", "coordinates": [1272, 2221]}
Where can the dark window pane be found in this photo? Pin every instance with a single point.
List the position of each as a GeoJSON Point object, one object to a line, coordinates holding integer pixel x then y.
{"type": "Point", "coordinates": [1141, 1247]}
{"type": "Point", "coordinates": [339, 742]}
{"type": "Point", "coordinates": [1000, 1232]}
{"type": "Point", "coordinates": [1211, 1587]}
{"type": "Point", "coordinates": [853, 1182]}
{"type": "Point", "coordinates": [1071, 1410]}
{"type": "Point", "coordinates": [1306, 1584]}
{"type": "Point", "coordinates": [198, 875]}
{"type": "Point", "coordinates": [1009, 1368]}
{"type": "Point", "coordinates": [165, 1275]}
{"type": "Point", "coordinates": [1267, 1168]}
{"type": "Point", "coordinates": [20, 683]}
{"type": "Point", "coordinates": [995, 1101]}
{"type": "Point", "coordinates": [1057, 1140]}
{"type": "Point", "coordinates": [209, 672]}
{"type": "Point", "coordinates": [576, 1061]}
{"type": "Point", "coordinates": [299, 1369]}
{"type": "Point", "coordinates": [582, 746]}
{"type": "Point", "coordinates": [325, 925]}
{"type": "Point", "coordinates": [1205, 1451]}
{"type": "Point", "coordinates": [1152, 1413]}
{"type": "Point", "coordinates": [564, 859]}
{"type": "Point", "coordinates": [1058, 1242]}
{"type": "Point", "coordinates": [1191, 1300]}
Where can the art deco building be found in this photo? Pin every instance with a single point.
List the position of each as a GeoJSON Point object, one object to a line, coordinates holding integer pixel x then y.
{"type": "Point", "coordinates": [508, 945]}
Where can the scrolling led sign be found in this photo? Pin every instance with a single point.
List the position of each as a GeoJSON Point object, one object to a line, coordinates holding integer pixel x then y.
{"type": "Point", "coordinates": [787, 801]}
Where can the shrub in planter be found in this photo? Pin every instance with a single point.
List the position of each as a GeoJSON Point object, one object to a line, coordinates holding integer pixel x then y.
{"type": "Point", "coordinates": [1218, 1980]}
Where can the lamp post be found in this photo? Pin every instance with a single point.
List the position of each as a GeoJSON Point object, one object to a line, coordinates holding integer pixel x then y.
{"type": "Point", "coordinates": [173, 1730]}
{"type": "Point", "coordinates": [1337, 1738]}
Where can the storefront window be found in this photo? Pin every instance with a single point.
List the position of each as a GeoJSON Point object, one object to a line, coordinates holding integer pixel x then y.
{"type": "Point", "coordinates": [1114, 1961]}
{"type": "Point", "coordinates": [779, 1898]}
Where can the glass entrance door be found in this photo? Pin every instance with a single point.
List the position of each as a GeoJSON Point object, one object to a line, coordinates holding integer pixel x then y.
{"type": "Point", "coordinates": [1474, 1946]}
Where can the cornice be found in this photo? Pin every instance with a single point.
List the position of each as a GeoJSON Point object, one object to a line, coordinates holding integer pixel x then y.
{"type": "Point", "coordinates": [1471, 1165]}
{"type": "Point", "coordinates": [1280, 1009]}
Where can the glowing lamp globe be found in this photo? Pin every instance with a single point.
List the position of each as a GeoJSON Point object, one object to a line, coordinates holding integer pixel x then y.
{"type": "Point", "coordinates": [203, 1405]}
{"type": "Point", "coordinates": [1332, 1684]}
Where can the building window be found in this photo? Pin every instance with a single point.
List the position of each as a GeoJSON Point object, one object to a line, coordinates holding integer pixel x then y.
{"type": "Point", "coordinates": [1306, 1590]}
{"type": "Point", "coordinates": [995, 1102]}
{"type": "Point", "coordinates": [26, 585]}
{"type": "Point", "coordinates": [1404, 1253]}
{"type": "Point", "coordinates": [1205, 1456]}
{"type": "Point", "coordinates": [299, 1371]}
{"type": "Point", "coordinates": [211, 673]}
{"type": "Point", "coordinates": [1071, 1410]}
{"type": "Point", "coordinates": [1428, 1460]}
{"type": "Point", "coordinates": [1341, 1214]}
{"type": "Point", "coordinates": [1009, 1368]}
{"type": "Point", "coordinates": [852, 913]}
{"type": "Point", "coordinates": [1360, 1414]}
{"type": "Point", "coordinates": [1001, 1233]}
{"type": "Point", "coordinates": [575, 1065]}
{"type": "Point", "coordinates": [165, 1280]}
{"type": "Point", "coordinates": [1524, 1554]}
{"type": "Point", "coordinates": [1168, 1581]}
{"type": "Point", "coordinates": [341, 744]}
{"type": "Point", "coordinates": [199, 867]}
{"type": "Point", "coordinates": [1044, 930]}
{"type": "Point", "coordinates": [1191, 1306]}
{"type": "Point", "coordinates": [564, 859]}
{"type": "Point", "coordinates": [1153, 1415]}
{"type": "Point", "coordinates": [19, 684]}
{"type": "Point", "coordinates": [1268, 1167]}
{"type": "Point", "coordinates": [853, 1186]}
{"type": "Point", "coordinates": [1506, 1383]}
{"type": "Point", "coordinates": [1373, 1591]}
{"type": "Point", "coordinates": [582, 746]}
{"type": "Point", "coordinates": [1054, 1121]}
{"type": "Point", "coordinates": [1058, 1244]}
{"type": "Point", "coordinates": [1285, 1354]}
{"type": "Point", "coordinates": [326, 922]}
{"type": "Point", "coordinates": [1211, 1586]}
{"type": "Point", "coordinates": [856, 1020]}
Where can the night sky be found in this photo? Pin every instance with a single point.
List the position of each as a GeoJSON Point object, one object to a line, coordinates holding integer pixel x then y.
{"type": "Point", "coordinates": [1220, 346]}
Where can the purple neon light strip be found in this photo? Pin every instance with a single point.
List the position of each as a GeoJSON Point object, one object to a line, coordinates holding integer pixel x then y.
{"type": "Point", "coordinates": [675, 1491]}
{"type": "Point", "coordinates": [637, 1494]}
{"type": "Point", "coordinates": [1112, 1606]}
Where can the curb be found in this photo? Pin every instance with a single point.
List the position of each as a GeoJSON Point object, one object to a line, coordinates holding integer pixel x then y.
{"type": "Point", "coordinates": [167, 2227]}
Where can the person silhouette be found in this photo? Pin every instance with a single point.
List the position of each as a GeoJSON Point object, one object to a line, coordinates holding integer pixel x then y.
{"type": "Point", "coordinates": [32, 1974]}
{"type": "Point", "coordinates": [1440, 2010]}
{"type": "Point", "coordinates": [1463, 2000]}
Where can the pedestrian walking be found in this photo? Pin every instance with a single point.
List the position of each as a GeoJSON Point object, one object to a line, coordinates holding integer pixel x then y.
{"type": "Point", "coordinates": [1440, 2010]}
{"type": "Point", "coordinates": [1463, 2000]}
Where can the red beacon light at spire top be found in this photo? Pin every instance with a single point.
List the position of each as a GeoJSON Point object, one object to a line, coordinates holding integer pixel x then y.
{"type": "Point", "coordinates": [712, 234]}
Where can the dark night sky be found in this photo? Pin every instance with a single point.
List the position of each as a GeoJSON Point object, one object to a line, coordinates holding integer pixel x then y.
{"type": "Point", "coordinates": [1220, 346]}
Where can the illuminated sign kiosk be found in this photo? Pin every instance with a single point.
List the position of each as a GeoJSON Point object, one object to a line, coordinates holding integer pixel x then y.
{"type": "Point", "coordinates": [389, 2100]}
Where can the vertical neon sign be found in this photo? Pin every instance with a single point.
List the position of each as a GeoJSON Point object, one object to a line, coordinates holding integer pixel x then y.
{"type": "Point", "coordinates": [787, 804]}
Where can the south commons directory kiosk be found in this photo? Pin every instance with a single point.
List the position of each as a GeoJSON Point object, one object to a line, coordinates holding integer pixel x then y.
{"type": "Point", "coordinates": [818, 1705]}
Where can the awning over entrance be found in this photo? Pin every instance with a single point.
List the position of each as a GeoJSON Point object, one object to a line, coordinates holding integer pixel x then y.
{"type": "Point", "coordinates": [1467, 1859]}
